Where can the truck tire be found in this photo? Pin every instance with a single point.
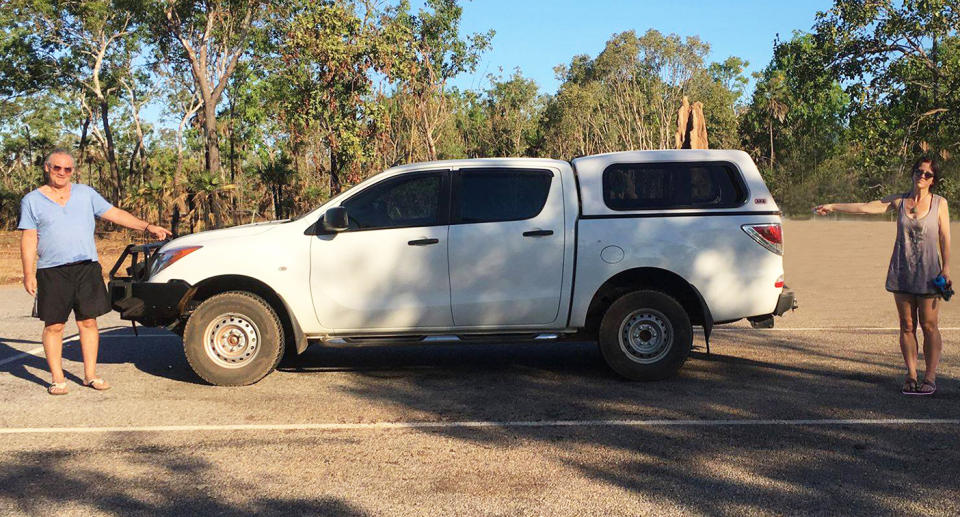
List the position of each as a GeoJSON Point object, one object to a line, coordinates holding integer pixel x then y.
{"type": "Point", "coordinates": [645, 336]}
{"type": "Point", "coordinates": [233, 339]}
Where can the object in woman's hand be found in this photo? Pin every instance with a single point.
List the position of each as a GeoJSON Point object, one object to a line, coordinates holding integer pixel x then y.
{"type": "Point", "coordinates": [945, 289]}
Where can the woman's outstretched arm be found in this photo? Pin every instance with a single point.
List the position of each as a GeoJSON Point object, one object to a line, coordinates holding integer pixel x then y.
{"type": "Point", "coordinates": [878, 206]}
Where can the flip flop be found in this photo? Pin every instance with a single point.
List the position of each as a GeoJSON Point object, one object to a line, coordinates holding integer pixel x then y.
{"type": "Point", "coordinates": [909, 387]}
{"type": "Point", "coordinates": [97, 383]}
{"type": "Point", "coordinates": [58, 388]}
{"type": "Point", "coordinates": [926, 388]}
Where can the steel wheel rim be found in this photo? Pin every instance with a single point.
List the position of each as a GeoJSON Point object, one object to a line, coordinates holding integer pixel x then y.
{"type": "Point", "coordinates": [646, 336]}
{"type": "Point", "coordinates": [231, 340]}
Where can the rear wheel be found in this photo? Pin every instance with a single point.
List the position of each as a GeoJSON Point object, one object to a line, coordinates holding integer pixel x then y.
{"type": "Point", "coordinates": [645, 335]}
{"type": "Point", "coordinates": [233, 339]}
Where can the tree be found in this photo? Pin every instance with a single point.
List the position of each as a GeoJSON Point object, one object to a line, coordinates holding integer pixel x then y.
{"type": "Point", "coordinates": [85, 44]}
{"type": "Point", "coordinates": [432, 53]}
{"type": "Point", "coordinates": [512, 111]}
{"type": "Point", "coordinates": [900, 64]}
{"type": "Point", "coordinates": [775, 105]}
{"type": "Point", "coordinates": [627, 97]}
{"type": "Point", "coordinates": [720, 88]}
{"type": "Point", "coordinates": [23, 69]}
{"type": "Point", "coordinates": [211, 37]}
{"type": "Point", "coordinates": [327, 54]}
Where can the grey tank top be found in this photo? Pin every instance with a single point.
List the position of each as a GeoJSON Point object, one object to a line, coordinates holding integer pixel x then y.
{"type": "Point", "coordinates": [916, 253]}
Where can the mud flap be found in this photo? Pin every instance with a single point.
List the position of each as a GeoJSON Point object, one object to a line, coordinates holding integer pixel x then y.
{"type": "Point", "coordinates": [707, 319]}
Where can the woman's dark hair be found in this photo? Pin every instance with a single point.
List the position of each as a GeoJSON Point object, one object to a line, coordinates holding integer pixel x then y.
{"type": "Point", "coordinates": [934, 166]}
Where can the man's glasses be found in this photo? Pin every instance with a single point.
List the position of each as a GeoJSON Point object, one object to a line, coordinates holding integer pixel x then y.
{"type": "Point", "coordinates": [57, 168]}
{"type": "Point", "coordinates": [923, 174]}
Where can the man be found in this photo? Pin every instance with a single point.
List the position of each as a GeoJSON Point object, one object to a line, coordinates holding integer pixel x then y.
{"type": "Point", "coordinates": [57, 223]}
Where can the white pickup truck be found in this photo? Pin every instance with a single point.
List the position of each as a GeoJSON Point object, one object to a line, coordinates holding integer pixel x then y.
{"type": "Point", "coordinates": [628, 249]}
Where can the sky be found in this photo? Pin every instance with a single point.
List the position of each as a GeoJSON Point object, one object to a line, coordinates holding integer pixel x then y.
{"type": "Point", "coordinates": [537, 35]}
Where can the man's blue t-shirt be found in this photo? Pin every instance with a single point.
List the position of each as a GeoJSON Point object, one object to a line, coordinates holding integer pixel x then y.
{"type": "Point", "coordinates": [64, 233]}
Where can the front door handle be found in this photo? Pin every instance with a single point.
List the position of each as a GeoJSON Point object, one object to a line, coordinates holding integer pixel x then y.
{"type": "Point", "coordinates": [538, 233]}
{"type": "Point", "coordinates": [423, 242]}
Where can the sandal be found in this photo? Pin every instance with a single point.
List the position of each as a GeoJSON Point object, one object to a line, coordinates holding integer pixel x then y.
{"type": "Point", "coordinates": [926, 388]}
{"type": "Point", "coordinates": [909, 387]}
{"type": "Point", "coordinates": [97, 383]}
{"type": "Point", "coordinates": [58, 388]}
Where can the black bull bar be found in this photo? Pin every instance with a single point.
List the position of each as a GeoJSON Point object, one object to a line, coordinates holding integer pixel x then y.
{"type": "Point", "coordinates": [136, 299]}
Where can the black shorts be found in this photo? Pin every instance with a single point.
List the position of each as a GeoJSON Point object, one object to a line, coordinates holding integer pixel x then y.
{"type": "Point", "coordinates": [78, 287]}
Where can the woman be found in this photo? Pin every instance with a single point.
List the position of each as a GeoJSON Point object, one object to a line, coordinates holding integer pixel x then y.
{"type": "Point", "coordinates": [920, 253]}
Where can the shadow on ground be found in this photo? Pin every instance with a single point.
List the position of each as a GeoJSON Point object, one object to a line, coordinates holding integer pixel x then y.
{"type": "Point", "coordinates": [154, 352]}
{"type": "Point", "coordinates": [719, 470]}
{"type": "Point", "coordinates": [169, 483]}
{"type": "Point", "coordinates": [878, 469]}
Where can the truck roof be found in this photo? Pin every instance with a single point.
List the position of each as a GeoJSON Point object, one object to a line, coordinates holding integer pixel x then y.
{"type": "Point", "coordinates": [667, 155]}
{"type": "Point", "coordinates": [477, 162]}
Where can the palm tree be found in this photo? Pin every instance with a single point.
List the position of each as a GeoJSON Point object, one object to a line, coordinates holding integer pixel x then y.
{"type": "Point", "coordinates": [775, 97]}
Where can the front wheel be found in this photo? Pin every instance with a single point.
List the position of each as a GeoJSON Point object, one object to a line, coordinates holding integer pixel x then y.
{"type": "Point", "coordinates": [233, 339]}
{"type": "Point", "coordinates": [645, 335]}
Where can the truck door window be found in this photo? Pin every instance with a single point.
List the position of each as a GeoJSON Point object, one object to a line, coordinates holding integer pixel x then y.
{"type": "Point", "coordinates": [491, 195]}
{"type": "Point", "coordinates": [647, 186]}
{"type": "Point", "coordinates": [403, 202]}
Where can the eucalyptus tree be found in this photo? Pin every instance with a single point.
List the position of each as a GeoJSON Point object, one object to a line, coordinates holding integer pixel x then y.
{"type": "Point", "coordinates": [513, 108]}
{"type": "Point", "coordinates": [327, 53]}
{"type": "Point", "coordinates": [85, 43]}
{"type": "Point", "coordinates": [23, 69]}
{"type": "Point", "coordinates": [209, 38]}
{"type": "Point", "coordinates": [431, 54]}
{"type": "Point", "coordinates": [798, 113]}
{"type": "Point", "coordinates": [900, 64]}
{"type": "Point", "coordinates": [627, 97]}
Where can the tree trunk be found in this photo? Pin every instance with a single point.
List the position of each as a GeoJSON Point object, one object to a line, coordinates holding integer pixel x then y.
{"type": "Point", "coordinates": [213, 157]}
{"type": "Point", "coordinates": [335, 186]}
{"type": "Point", "coordinates": [427, 130]}
{"type": "Point", "coordinates": [111, 151]}
{"type": "Point", "coordinates": [83, 141]}
{"type": "Point", "coordinates": [770, 126]}
{"type": "Point", "coordinates": [233, 166]}
{"type": "Point", "coordinates": [212, 141]}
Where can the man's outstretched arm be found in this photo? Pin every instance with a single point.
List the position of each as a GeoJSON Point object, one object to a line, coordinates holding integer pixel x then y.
{"type": "Point", "coordinates": [126, 219]}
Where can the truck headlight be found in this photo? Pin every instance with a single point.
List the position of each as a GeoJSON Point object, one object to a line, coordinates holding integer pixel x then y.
{"type": "Point", "coordinates": [167, 257]}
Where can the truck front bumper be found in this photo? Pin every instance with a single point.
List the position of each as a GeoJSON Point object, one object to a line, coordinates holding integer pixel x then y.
{"type": "Point", "coordinates": [150, 304]}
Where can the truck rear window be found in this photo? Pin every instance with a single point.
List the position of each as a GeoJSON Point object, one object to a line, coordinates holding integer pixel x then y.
{"type": "Point", "coordinates": [648, 186]}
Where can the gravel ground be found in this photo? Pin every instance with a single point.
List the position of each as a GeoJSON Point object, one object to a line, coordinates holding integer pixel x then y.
{"type": "Point", "coordinates": [740, 453]}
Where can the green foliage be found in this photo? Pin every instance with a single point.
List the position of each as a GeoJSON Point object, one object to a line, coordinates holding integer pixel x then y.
{"type": "Point", "coordinates": [628, 96]}
{"type": "Point", "coordinates": [323, 83]}
{"type": "Point", "coordinates": [511, 112]}
{"type": "Point", "coordinates": [841, 113]}
{"type": "Point", "coordinates": [304, 98]}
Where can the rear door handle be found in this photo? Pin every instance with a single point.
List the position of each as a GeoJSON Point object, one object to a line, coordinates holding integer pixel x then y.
{"type": "Point", "coordinates": [538, 233]}
{"type": "Point", "coordinates": [423, 242]}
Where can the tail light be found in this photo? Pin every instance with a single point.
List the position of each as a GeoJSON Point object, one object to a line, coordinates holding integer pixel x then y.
{"type": "Point", "coordinates": [769, 236]}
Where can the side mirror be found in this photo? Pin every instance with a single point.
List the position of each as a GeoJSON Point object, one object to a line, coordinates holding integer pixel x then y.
{"type": "Point", "coordinates": [335, 219]}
